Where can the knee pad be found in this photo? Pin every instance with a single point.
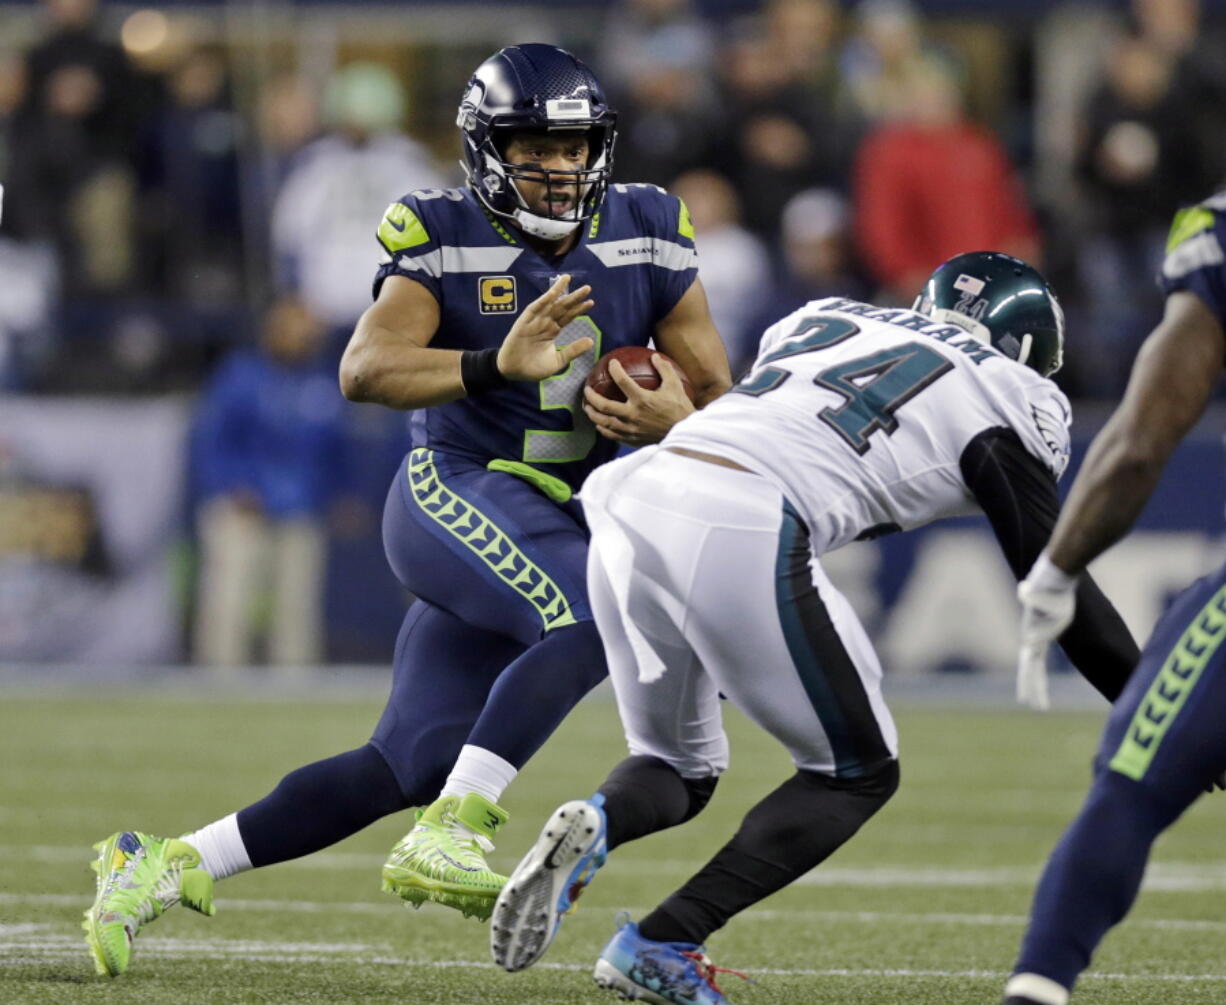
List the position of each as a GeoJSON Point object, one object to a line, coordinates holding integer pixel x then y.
{"type": "Point", "coordinates": [700, 791]}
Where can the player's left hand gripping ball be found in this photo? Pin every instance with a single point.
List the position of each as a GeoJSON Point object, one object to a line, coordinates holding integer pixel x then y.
{"type": "Point", "coordinates": [653, 398]}
{"type": "Point", "coordinates": [529, 352]}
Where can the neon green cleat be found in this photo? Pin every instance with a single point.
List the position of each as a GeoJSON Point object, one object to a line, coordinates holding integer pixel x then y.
{"type": "Point", "coordinates": [443, 858]}
{"type": "Point", "coordinates": [139, 878]}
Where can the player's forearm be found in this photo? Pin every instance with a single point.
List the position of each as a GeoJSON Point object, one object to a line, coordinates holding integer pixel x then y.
{"type": "Point", "coordinates": [387, 371]}
{"type": "Point", "coordinates": [1120, 474]}
{"type": "Point", "coordinates": [706, 392]}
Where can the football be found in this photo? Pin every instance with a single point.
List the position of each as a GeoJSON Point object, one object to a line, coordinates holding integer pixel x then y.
{"type": "Point", "coordinates": [636, 361]}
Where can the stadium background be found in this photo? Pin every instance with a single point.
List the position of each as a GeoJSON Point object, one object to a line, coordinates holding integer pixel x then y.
{"type": "Point", "coordinates": [173, 171]}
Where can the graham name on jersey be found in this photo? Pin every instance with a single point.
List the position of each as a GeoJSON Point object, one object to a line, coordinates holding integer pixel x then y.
{"type": "Point", "coordinates": [975, 349]}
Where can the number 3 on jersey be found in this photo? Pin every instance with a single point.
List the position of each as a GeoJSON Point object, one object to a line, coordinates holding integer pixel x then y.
{"type": "Point", "coordinates": [565, 390]}
{"type": "Point", "coordinates": [873, 387]}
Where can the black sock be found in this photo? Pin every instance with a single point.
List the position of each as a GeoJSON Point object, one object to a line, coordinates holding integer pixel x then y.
{"type": "Point", "coordinates": [794, 828]}
{"type": "Point", "coordinates": [645, 794]}
{"type": "Point", "coordinates": [318, 805]}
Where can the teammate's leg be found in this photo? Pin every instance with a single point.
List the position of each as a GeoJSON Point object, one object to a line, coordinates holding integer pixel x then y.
{"type": "Point", "coordinates": [1088, 885]}
{"type": "Point", "coordinates": [1163, 747]}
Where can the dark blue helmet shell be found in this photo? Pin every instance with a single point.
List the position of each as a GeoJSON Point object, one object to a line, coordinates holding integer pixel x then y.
{"type": "Point", "coordinates": [534, 87]}
{"type": "Point", "coordinates": [1002, 300]}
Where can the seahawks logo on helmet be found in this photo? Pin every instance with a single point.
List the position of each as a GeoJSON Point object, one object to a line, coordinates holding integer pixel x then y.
{"type": "Point", "coordinates": [535, 87]}
{"type": "Point", "coordinates": [999, 300]}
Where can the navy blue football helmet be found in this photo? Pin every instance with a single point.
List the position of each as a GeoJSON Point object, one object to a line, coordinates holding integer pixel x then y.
{"type": "Point", "coordinates": [535, 87]}
{"type": "Point", "coordinates": [1000, 300]}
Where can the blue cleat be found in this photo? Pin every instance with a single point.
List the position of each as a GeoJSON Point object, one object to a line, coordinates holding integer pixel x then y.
{"type": "Point", "coordinates": [545, 885]}
{"type": "Point", "coordinates": [666, 973]}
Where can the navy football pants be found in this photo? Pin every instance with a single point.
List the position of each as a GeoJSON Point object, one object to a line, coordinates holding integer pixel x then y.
{"type": "Point", "coordinates": [1164, 745]}
{"type": "Point", "coordinates": [499, 647]}
{"type": "Point", "coordinates": [501, 644]}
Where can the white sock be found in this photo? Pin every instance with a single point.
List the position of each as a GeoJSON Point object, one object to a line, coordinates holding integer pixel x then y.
{"type": "Point", "coordinates": [478, 770]}
{"type": "Point", "coordinates": [1040, 989]}
{"type": "Point", "coordinates": [222, 852]}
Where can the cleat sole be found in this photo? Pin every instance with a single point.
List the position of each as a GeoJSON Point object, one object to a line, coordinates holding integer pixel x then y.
{"type": "Point", "coordinates": [529, 911]}
{"type": "Point", "coordinates": [415, 890]}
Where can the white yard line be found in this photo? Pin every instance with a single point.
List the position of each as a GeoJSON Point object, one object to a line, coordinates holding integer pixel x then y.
{"type": "Point", "coordinates": [1184, 877]}
{"type": "Point", "coordinates": [391, 907]}
{"type": "Point", "coordinates": [273, 952]}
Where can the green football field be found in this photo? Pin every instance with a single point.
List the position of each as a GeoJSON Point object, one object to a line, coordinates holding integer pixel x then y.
{"type": "Point", "coordinates": [925, 905]}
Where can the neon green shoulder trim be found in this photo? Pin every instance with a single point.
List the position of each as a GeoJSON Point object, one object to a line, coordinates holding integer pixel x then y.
{"type": "Point", "coordinates": [401, 228]}
{"type": "Point", "coordinates": [685, 226]}
{"type": "Point", "coordinates": [1188, 223]}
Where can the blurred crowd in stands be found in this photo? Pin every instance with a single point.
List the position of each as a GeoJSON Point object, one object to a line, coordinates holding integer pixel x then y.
{"type": "Point", "coordinates": [181, 214]}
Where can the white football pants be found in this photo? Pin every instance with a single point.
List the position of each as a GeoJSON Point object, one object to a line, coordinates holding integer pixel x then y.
{"type": "Point", "coordinates": [702, 582]}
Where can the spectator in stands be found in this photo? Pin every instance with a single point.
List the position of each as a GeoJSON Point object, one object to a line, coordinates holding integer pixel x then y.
{"type": "Point", "coordinates": [72, 172]}
{"type": "Point", "coordinates": [76, 41]}
{"type": "Point", "coordinates": [816, 263]}
{"type": "Point", "coordinates": [779, 136]}
{"type": "Point", "coordinates": [880, 58]}
{"type": "Point", "coordinates": [192, 166]}
{"type": "Point", "coordinates": [1139, 161]}
{"type": "Point", "coordinates": [802, 34]}
{"type": "Point", "coordinates": [933, 185]}
{"type": "Point", "coordinates": [27, 268]}
{"type": "Point", "coordinates": [287, 119]}
{"type": "Point", "coordinates": [733, 265]}
{"type": "Point", "coordinates": [662, 57]}
{"type": "Point", "coordinates": [266, 460]}
{"type": "Point", "coordinates": [636, 29]}
{"type": "Point", "coordinates": [323, 245]}
{"type": "Point", "coordinates": [12, 98]}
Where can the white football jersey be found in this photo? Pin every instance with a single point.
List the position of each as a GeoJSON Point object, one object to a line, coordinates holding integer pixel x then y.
{"type": "Point", "coordinates": [860, 415]}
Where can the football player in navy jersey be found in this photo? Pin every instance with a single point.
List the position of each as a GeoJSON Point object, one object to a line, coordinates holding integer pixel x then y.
{"type": "Point", "coordinates": [1164, 744]}
{"type": "Point", "coordinates": [492, 305]}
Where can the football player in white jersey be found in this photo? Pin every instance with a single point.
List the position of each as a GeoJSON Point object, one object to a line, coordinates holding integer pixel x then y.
{"type": "Point", "coordinates": [705, 578]}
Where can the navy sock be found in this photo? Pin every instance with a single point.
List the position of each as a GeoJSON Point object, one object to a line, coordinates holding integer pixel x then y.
{"type": "Point", "coordinates": [318, 805]}
{"type": "Point", "coordinates": [535, 692]}
{"type": "Point", "coordinates": [1092, 877]}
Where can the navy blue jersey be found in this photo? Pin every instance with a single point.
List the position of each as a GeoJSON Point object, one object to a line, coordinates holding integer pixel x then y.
{"type": "Point", "coordinates": [1194, 259]}
{"type": "Point", "coordinates": [637, 254]}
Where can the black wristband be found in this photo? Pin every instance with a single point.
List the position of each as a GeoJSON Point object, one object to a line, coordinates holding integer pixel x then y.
{"type": "Point", "coordinates": [479, 371]}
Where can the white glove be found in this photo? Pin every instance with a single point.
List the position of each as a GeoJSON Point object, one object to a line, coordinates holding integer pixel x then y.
{"type": "Point", "coordinates": [1048, 597]}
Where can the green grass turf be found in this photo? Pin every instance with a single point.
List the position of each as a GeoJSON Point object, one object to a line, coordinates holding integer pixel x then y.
{"type": "Point", "coordinates": [926, 905]}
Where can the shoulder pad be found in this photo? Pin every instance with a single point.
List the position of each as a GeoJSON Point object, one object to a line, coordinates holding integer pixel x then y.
{"type": "Point", "coordinates": [401, 228]}
{"type": "Point", "coordinates": [666, 215]}
{"type": "Point", "coordinates": [1192, 242]}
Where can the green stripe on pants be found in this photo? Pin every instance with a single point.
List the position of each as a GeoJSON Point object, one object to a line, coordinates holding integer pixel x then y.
{"type": "Point", "coordinates": [1169, 692]}
{"type": "Point", "coordinates": [477, 532]}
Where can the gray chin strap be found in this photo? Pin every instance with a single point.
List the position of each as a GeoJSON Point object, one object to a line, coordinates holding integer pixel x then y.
{"type": "Point", "coordinates": [544, 227]}
{"type": "Point", "coordinates": [1024, 353]}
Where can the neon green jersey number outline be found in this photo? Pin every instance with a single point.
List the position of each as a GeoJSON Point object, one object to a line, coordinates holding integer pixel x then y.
{"type": "Point", "coordinates": [565, 390]}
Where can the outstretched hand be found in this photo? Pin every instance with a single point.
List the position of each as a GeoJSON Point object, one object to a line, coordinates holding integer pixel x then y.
{"type": "Point", "coordinates": [645, 416]}
{"type": "Point", "coordinates": [1047, 609]}
{"type": "Point", "coordinates": [529, 351]}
